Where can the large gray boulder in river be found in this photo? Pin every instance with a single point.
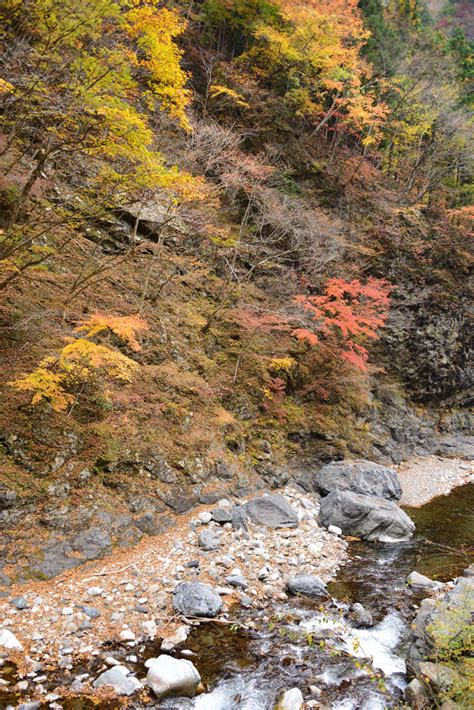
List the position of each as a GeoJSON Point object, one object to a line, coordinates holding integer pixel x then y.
{"type": "Point", "coordinates": [307, 584]}
{"type": "Point", "coordinates": [358, 476]}
{"type": "Point", "coordinates": [367, 517]}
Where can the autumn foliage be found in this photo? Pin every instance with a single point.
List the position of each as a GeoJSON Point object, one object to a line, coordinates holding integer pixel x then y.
{"type": "Point", "coordinates": [58, 378]}
{"type": "Point", "coordinates": [348, 314]}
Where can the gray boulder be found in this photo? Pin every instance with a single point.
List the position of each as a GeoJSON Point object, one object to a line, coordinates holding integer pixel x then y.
{"type": "Point", "coordinates": [416, 695]}
{"type": "Point", "coordinates": [442, 621]}
{"type": "Point", "coordinates": [419, 582]}
{"type": "Point", "coordinates": [118, 678]}
{"type": "Point", "coordinates": [273, 511]}
{"type": "Point", "coordinates": [359, 476]}
{"type": "Point", "coordinates": [307, 584]}
{"type": "Point", "coordinates": [361, 618]}
{"type": "Point", "coordinates": [374, 519]}
{"type": "Point", "coordinates": [196, 599]}
{"type": "Point", "coordinates": [209, 540]}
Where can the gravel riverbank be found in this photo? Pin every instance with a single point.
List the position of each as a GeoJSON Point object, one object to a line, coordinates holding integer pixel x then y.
{"type": "Point", "coordinates": [425, 477]}
{"type": "Point", "coordinates": [127, 597]}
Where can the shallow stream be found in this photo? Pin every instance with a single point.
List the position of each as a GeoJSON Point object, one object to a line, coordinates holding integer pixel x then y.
{"type": "Point", "coordinates": [305, 643]}
{"type": "Point", "coordinates": [301, 642]}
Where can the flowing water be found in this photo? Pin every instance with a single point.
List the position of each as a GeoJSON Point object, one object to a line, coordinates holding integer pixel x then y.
{"type": "Point", "coordinates": [305, 643]}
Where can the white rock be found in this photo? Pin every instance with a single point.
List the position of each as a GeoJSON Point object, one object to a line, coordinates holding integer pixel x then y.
{"type": "Point", "coordinates": [9, 641]}
{"type": "Point", "coordinates": [290, 700]}
{"type": "Point", "coordinates": [67, 611]}
{"type": "Point", "coordinates": [171, 677]}
{"type": "Point", "coordinates": [334, 530]}
{"type": "Point", "coordinates": [126, 635]}
{"type": "Point", "coordinates": [205, 517]}
{"type": "Point", "coordinates": [111, 661]}
{"type": "Point", "coordinates": [129, 587]}
{"type": "Point", "coordinates": [174, 639]}
{"type": "Point", "coordinates": [150, 628]}
{"type": "Point", "coordinates": [95, 591]}
{"type": "Point", "coordinates": [118, 678]}
{"type": "Point", "coordinates": [161, 600]}
{"type": "Point", "coordinates": [223, 503]}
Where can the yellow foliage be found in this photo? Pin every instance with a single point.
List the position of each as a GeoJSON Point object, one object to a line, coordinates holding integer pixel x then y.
{"type": "Point", "coordinates": [281, 364]}
{"type": "Point", "coordinates": [81, 361]}
{"type": "Point", "coordinates": [81, 358]}
{"type": "Point", "coordinates": [46, 385]}
{"type": "Point", "coordinates": [125, 327]}
{"type": "Point", "coordinates": [103, 45]}
{"type": "Point", "coordinates": [155, 31]}
{"type": "Point", "coordinates": [218, 90]}
{"type": "Point", "coordinates": [6, 87]}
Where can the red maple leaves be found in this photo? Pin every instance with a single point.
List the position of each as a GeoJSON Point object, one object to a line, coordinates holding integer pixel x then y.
{"type": "Point", "coordinates": [348, 313]}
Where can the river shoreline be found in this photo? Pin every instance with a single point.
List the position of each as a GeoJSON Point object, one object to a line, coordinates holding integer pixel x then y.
{"type": "Point", "coordinates": [425, 477]}
{"type": "Point", "coordinates": [75, 624]}
{"type": "Point", "coordinates": [113, 600]}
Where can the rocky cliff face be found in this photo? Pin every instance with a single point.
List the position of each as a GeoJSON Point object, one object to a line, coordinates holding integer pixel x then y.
{"type": "Point", "coordinates": [431, 346]}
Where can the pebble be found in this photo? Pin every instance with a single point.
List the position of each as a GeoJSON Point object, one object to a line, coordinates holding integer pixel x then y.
{"type": "Point", "coordinates": [19, 603]}
{"type": "Point", "coordinates": [67, 611]}
{"type": "Point", "coordinates": [150, 628]}
{"type": "Point", "coordinates": [111, 661]}
{"type": "Point", "coordinates": [90, 611]}
{"type": "Point", "coordinates": [9, 641]}
{"type": "Point", "coordinates": [126, 635]}
{"type": "Point", "coordinates": [205, 517]}
{"type": "Point", "coordinates": [95, 591]}
{"type": "Point", "coordinates": [237, 580]}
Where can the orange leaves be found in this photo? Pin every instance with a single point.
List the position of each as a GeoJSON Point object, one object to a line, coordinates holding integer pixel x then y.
{"type": "Point", "coordinates": [125, 327]}
{"type": "Point", "coordinates": [346, 313]}
{"type": "Point", "coordinates": [306, 335]}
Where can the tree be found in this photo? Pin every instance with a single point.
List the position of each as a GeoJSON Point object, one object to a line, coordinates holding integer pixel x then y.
{"type": "Point", "coordinates": [83, 79]}
{"type": "Point", "coordinates": [346, 315]}
{"type": "Point", "coordinates": [59, 379]}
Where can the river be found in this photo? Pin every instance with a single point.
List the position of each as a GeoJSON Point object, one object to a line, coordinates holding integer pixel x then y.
{"type": "Point", "coordinates": [303, 643]}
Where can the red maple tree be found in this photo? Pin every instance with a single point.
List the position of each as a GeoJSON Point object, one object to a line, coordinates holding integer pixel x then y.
{"type": "Point", "coordinates": [347, 313]}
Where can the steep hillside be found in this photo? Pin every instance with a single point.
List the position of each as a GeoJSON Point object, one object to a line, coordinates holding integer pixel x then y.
{"type": "Point", "coordinates": [296, 289]}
